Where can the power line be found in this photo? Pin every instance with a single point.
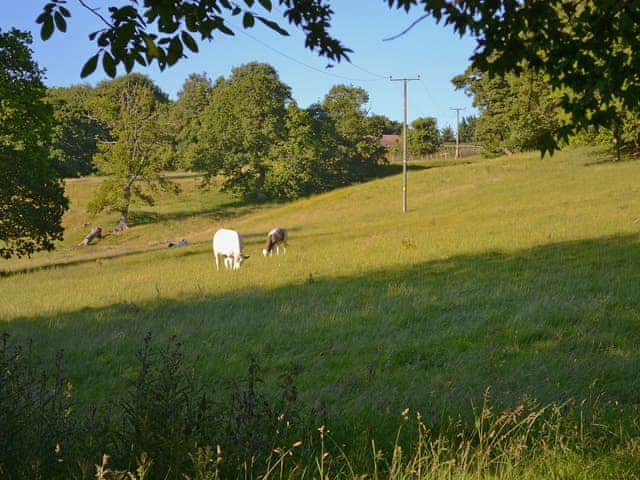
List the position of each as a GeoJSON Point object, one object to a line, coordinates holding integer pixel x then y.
{"type": "Point", "coordinates": [319, 70]}
{"type": "Point", "coordinates": [382, 77]}
{"type": "Point", "coordinates": [433, 100]}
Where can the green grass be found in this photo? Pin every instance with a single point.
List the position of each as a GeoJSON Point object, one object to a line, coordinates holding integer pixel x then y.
{"type": "Point", "coordinates": [516, 274]}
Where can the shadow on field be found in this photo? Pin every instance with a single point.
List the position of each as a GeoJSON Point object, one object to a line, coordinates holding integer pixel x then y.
{"type": "Point", "coordinates": [609, 159]}
{"type": "Point", "coordinates": [226, 210]}
{"type": "Point", "coordinates": [96, 256]}
{"type": "Point", "coordinates": [552, 323]}
{"type": "Point", "coordinates": [396, 168]}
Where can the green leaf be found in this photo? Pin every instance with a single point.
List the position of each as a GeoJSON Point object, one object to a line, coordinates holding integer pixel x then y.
{"type": "Point", "coordinates": [247, 20]}
{"type": "Point", "coordinates": [109, 64]}
{"type": "Point", "coordinates": [128, 63]}
{"type": "Point", "coordinates": [189, 42]}
{"type": "Point", "coordinates": [224, 29]}
{"type": "Point", "coordinates": [273, 26]}
{"type": "Point", "coordinates": [61, 23]}
{"type": "Point", "coordinates": [266, 4]}
{"type": "Point", "coordinates": [152, 49]}
{"type": "Point", "coordinates": [64, 11]}
{"type": "Point", "coordinates": [47, 28]}
{"type": "Point", "coordinates": [90, 66]}
{"type": "Point", "coordinates": [174, 52]}
{"type": "Point", "coordinates": [140, 59]}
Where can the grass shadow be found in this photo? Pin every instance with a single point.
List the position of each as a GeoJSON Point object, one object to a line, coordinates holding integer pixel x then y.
{"type": "Point", "coordinates": [390, 169]}
{"type": "Point", "coordinates": [552, 323]}
{"type": "Point", "coordinates": [230, 209]}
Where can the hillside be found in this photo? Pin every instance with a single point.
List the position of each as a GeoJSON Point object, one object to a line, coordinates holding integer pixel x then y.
{"type": "Point", "coordinates": [515, 274]}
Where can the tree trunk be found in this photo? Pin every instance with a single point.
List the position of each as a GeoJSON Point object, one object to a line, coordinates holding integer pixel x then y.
{"type": "Point", "coordinates": [124, 212]}
{"type": "Point", "coordinates": [261, 196]}
{"type": "Point", "coordinates": [616, 142]}
{"type": "Point", "coordinates": [96, 232]}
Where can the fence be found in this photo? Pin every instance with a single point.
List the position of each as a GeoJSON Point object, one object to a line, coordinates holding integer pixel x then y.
{"type": "Point", "coordinates": [446, 152]}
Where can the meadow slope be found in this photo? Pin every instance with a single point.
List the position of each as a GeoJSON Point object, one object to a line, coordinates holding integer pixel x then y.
{"type": "Point", "coordinates": [518, 274]}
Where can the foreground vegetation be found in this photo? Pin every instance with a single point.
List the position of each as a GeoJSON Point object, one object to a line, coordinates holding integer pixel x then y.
{"type": "Point", "coordinates": [513, 276]}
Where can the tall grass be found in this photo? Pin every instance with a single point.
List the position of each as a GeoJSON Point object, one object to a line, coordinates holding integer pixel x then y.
{"type": "Point", "coordinates": [168, 424]}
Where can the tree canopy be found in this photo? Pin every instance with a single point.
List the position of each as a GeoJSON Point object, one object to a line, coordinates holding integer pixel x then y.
{"type": "Point", "coordinates": [517, 112]}
{"type": "Point", "coordinates": [241, 123]}
{"type": "Point", "coordinates": [587, 48]}
{"type": "Point", "coordinates": [75, 132]}
{"type": "Point", "coordinates": [136, 150]}
{"type": "Point", "coordinates": [32, 198]}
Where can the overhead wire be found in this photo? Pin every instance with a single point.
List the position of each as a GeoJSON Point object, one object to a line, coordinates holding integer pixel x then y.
{"type": "Point", "coordinates": [442, 113]}
{"type": "Point", "coordinates": [319, 70]}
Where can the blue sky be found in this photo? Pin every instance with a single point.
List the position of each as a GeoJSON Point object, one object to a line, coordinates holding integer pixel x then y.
{"type": "Point", "coordinates": [432, 51]}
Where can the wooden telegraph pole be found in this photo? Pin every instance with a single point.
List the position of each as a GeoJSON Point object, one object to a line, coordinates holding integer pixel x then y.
{"type": "Point", "coordinates": [457, 130]}
{"type": "Point", "coordinates": [404, 138]}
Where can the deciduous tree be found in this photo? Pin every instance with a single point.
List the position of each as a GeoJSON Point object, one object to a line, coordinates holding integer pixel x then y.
{"type": "Point", "coordinates": [136, 151]}
{"type": "Point", "coordinates": [243, 121]}
{"type": "Point", "coordinates": [299, 164]}
{"type": "Point", "coordinates": [517, 112]}
{"type": "Point", "coordinates": [467, 129]}
{"type": "Point", "coordinates": [76, 131]}
{"type": "Point", "coordinates": [358, 145]}
{"type": "Point", "coordinates": [185, 117]}
{"type": "Point", "coordinates": [32, 198]}
{"type": "Point", "coordinates": [447, 135]}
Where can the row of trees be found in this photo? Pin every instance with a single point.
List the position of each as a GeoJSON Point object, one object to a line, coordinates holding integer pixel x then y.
{"type": "Point", "coordinates": [245, 129]}
{"type": "Point", "coordinates": [517, 112]}
{"type": "Point", "coordinates": [586, 50]}
{"type": "Point", "coordinates": [424, 137]}
{"type": "Point", "coordinates": [521, 112]}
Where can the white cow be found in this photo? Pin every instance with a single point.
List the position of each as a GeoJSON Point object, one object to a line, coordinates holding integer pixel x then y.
{"type": "Point", "coordinates": [276, 237]}
{"type": "Point", "coordinates": [228, 244]}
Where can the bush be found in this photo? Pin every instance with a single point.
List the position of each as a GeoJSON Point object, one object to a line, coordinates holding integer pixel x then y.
{"type": "Point", "coordinates": [164, 426]}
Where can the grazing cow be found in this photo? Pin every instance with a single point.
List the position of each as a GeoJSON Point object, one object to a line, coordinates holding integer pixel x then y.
{"type": "Point", "coordinates": [228, 244]}
{"type": "Point", "coordinates": [276, 237]}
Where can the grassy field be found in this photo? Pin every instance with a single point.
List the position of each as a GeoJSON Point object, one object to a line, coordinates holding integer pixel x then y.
{"type": "Point", "coordinates": [519, 275]}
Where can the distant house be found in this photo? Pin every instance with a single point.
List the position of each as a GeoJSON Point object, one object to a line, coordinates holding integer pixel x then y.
{"type": "Point", "coordinates": [388, 141]}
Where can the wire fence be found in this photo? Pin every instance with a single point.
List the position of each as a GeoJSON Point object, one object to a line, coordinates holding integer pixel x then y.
{"type": "Point", "coordinates": [445, 152]}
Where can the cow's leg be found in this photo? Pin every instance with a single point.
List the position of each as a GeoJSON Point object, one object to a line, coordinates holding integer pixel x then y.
{"type": "Point", "coordinates": [217, 260]}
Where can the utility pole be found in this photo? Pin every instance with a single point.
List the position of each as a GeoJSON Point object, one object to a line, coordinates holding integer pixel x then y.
{"type": "Point", "coordinates": [404, 137]}
{"type": "Point", "coordinates": [457, 130]}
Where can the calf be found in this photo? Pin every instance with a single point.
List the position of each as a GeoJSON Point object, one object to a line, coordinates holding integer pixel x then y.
{"type": "Point", "coordinates": [228, 244]}
{"type": "Point", "coordinates": [276, 237]}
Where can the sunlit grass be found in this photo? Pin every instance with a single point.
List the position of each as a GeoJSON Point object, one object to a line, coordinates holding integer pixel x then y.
{"type": "Point", "coordinates": [518, 274]}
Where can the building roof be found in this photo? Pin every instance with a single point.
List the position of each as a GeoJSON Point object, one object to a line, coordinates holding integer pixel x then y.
{"type": "Point", "coordinates": [389, 140]}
